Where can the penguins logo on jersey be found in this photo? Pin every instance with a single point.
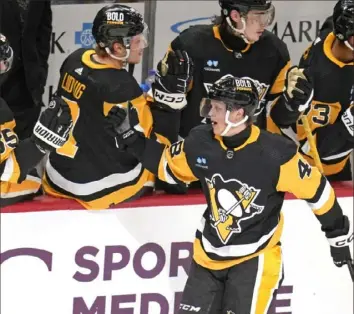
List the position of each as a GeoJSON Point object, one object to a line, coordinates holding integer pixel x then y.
{"type": "Point", "coordinates": [231, 203]}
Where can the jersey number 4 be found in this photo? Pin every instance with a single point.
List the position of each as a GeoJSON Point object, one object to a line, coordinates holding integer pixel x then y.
{"type": "Point", "coordinates": [304, 169]}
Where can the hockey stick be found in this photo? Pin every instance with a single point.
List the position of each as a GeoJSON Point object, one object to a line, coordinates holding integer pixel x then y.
{"type": "Point", "coordinates": [351, 268]}
{"type": "Point", "coordinates": [164, 66]}
{"type": "Point", "coordinates": [312, 143]}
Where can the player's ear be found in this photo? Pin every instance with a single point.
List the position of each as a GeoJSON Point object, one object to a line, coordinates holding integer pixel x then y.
{"type": "Point", "coordinates": [235, 16]}
{"type": "Point", "coordinates": [236, 115]}
{"type": "Point", "coordinates": [241, 114]}
{"type": "Point", "coordinates": [118, 49]}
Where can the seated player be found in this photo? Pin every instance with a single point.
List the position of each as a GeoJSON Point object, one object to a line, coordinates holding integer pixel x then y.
{"type": "Point", "coordinates": [19, 180]}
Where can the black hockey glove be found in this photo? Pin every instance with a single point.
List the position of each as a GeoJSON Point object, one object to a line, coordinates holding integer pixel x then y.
{"type": "Point", "coordinates": [298, 90]}
{"type": "Point", "coordinates": [348, 121]}
{"type": "Point", "coordinates": [173, 76]}
{"type": "Point", "coordinates": [117, 125]}
{"type": "Point", "coordinates": [339, 241]}
{"type": "Point", "coordinates": [53, 126]}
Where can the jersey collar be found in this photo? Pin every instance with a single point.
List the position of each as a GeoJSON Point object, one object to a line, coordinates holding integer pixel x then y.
{"type": "Point", "coordinates": [87, 60]}
{"type": "Point", "coordinates": [327, 48]}
{"type": "Point", "coordinates": [255, 131]}
{"type": "Point", "coordinates": [217, 35]}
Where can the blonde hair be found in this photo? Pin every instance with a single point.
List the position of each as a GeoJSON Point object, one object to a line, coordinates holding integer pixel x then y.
{"type": "Point", "coordinates": [101, 52]}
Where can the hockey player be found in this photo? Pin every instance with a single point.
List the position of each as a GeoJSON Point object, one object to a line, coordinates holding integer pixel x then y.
{"type": "Point", "coordinates": [237, 44]}
{"type": "Point", "coordinates": [18, 179]}
{"type": "Point", "coordinates": [244, 171]}
{"type": "Point", "coordinates": [330, 62]}
{"type": "Point", "coordinates": [90, 168]}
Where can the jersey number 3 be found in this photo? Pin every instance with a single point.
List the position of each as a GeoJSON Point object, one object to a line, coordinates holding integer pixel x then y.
{"type": "Point", "coordinates": [304, 169]}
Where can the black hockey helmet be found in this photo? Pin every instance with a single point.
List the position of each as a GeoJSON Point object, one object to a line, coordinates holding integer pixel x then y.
{"type": "Point", "coordinates": [343, 20]}
{"type": "Point", "coordinates": [118, 23]}
{"type": "Point", "coordinates": [235, 92]}
{"type": "Point", "coordinates": [265, 17]}
{"type": "Point", "coordinates": [6, 55]}
{"type": "Point", "coordinates": [243, 6]}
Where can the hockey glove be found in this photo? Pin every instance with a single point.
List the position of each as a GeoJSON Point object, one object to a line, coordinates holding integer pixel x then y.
{"type": "Point", "coordinates": [339, 241]}
{"type": "Point", "coordinates": [53, 126]}
{"type": "Point", "coordinates": [298, 90]}
{"type": "Point", "coordinates": [117, 125]}
{"type": "Point", "coordinates": [348, 121]}
{"type": "Point", "coordinates": [173, 76]}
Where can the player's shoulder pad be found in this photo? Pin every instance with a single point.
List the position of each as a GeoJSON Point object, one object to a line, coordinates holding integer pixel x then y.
{"type": "Point", "coordinates": [76, 55]}
{"type": "Point", "coordinates": [276, 147]}
{"type": "Point", "coordinates": [6, 114]}
{"type": "Point", "coordinates": [192, 39]}
{"type": "Point", "coordinates": [314, 50]}
{"type": "Point", "coordinates": [199, 136]}
{"type": "Point", "coordinates": [271, 43]}
{"type": "Point", "coordinates": [73, 59]}
{"type": "Point", "coordinates": [118, 85]}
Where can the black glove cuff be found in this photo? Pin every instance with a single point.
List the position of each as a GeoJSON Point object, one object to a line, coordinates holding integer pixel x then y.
{"type": "Point", "coordinates": [282, 114]}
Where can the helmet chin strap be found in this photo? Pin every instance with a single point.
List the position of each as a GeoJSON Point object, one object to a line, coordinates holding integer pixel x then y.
{"type": "Point", "coordinates": [124, 59]}
{"type": "Point", "coordinates": [230, 125]}
{"type": "Point", "coordinates": [349, 45]}
{"type": "Point", "coordinates": [239, 32]}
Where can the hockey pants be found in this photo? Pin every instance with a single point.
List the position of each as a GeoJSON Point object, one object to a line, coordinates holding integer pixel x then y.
{"type": "Point", "coordinates": [246, 288]}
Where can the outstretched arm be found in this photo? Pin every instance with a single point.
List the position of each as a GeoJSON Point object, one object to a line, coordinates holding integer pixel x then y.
{"type": "Point", "coordinates": [305, 182]}
{"type": "Point", "coordinates": [168, 162]}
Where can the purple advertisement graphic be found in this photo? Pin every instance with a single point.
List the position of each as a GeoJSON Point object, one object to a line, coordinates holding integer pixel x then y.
{"type": "Point", "coordinates": [118, 304]}
{"type": "Point", "coordinates": [45, 256]}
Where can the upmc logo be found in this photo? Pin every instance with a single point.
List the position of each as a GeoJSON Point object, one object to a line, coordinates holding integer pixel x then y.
{"type": "Point", "coordinates": [84, 37]}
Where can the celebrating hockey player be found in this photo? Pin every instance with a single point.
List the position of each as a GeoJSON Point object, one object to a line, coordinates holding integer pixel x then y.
{"type": "Point", "coordinates": [330, 62]}
{"type": "Point", "coordinates": [19, 181]}
{"type": "Point", "coordinates": [238, 44]}
{"type": "Point", "coordinates": [244, 172]}
{"type": "Point", "coordinates": [91, 168]}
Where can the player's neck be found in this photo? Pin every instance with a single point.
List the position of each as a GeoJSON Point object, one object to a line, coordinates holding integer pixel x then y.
{"type": "Point", "coordinates": [108, 61]}
{"type": "Point", "coordinates": [236, 130]}
{"type": "Point", "coordinates": [341, 52]}
{"type": "Point", "coordinates": [230, 40]}
{"type": "Point", "coordinates": [237, 136]}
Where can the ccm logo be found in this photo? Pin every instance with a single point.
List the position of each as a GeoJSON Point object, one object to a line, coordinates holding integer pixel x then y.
{"type": "Point", "coordinates": [127, 134]}
{"type": "Point", "coordinates": [166, 98]}
{"type": "Point", "coordinates": [346, 241]}
{"type": "Point", "coordinates": [189, 308]}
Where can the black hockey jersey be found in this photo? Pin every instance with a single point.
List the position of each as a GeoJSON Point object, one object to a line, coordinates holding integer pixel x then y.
{"type": "Point", "coordinates": [333, 94]}
{"type": "Point", "coordinates": [244, 188]}
{"type": "Point", "coordinates": [265, 62]}
{"type": "Point", "coordinates": [18, 180]}
{"type": "Point", "coordinates": [89, 167]}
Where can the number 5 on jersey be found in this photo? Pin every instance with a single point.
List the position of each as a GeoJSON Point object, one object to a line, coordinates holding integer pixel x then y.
{"type": "Point", "coordinates": [69, 149]}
